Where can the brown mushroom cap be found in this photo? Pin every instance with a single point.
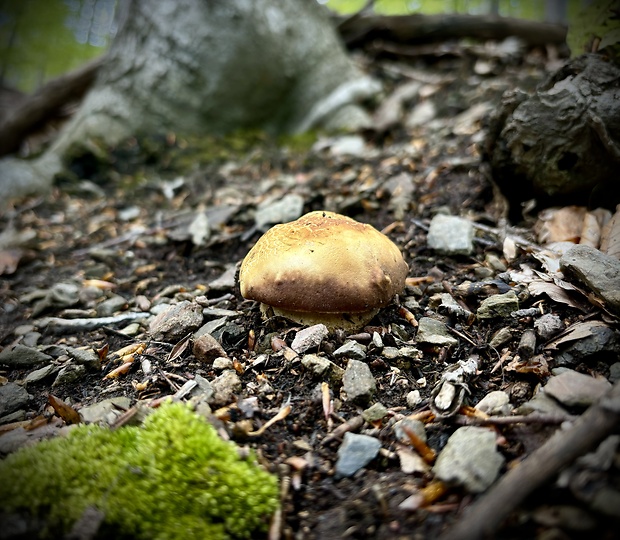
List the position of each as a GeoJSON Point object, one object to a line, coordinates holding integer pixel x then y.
{"type": "Point", "coordinates": [323, 263]}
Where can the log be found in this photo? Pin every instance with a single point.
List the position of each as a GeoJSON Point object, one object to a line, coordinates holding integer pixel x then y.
{"type": "Point", "coordinates": [418, 28]}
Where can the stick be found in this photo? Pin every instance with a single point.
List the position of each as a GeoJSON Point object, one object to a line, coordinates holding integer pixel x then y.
{"type": "Point", "coordinates": [485, 516]}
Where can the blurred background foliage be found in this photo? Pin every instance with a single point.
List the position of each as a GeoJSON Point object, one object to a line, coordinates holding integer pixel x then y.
{"type": "Point", "coordinates": [41, 39]}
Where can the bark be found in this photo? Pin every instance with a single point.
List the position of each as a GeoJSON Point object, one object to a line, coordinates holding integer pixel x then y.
{"type": "Point", "coordinates": [419, 28]}
{"type": "Point", "coordinates": [562, 143]}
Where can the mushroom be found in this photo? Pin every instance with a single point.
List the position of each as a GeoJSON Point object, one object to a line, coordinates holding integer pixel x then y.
{"type": "Point", "coordinates": [323, 268]}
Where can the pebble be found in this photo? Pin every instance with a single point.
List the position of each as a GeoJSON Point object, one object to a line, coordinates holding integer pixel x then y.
{"type": "Point", "coordinates": [498, 305]}
{"type": "Point", "coordinates": [527, 344]}
{"type": "Point", "coordinates": [548, 326]}
{"type": "Point", "coordinates": [542, 403]}
{"type": "Point", "coordinates": [87, 357]}
{"type": "Point", "coordinates": [614, 372]}
{"type": "Point", "coordinates": [502, 336]}
{"type": "Point", "coordinates": [176, 322]}
{"type": "Point", "coordinates": [221, 363]}
{"type": "Point", "coordinates": [286, 209]}
{"type": "Point", "coordinates": [375, 412]}
{"type": "Point", "coordinates": [496, 403]}
{"type": "Point", "coordinates": [600, 339]}
{"type": "Point", "coordinates": [358, 383]}
{"type": "Point", "coordinates": [41, 373]}
{"type": "Point", "coordinates": [415, 426]}
{"type": "Point", "coordinates": [225, 386]}
{"type": "Point", "coordinates": [206, 348]}
{"type": "Point", "coordinates": [31, 339]}
{"type": "Point", "coordinates": [421, 114]}
{"type": "Point", "coordinates": [109, 307]}
{"type": "Point", "coordinates": [21, 356]}
{"type": "Point", "coordinates": [574, 389]}
{"type": "Point", "coordinates": [318, 365]}
{"type": "Point", "coordinates": [470, 459]}
{"type": "Point", "coordinates": [12, 397]}
{"type": "Point", "coordinates": [309, 337]}
{"type": "Point", "coordinates": [595, 270]}
{"type": "Point", "coordinates": [413, 399]}
{"type": "Point", "coordinates": [451, 235]}
{"type": "Point", "coordinates": [434, 332]}
{"type": "Point", "coordinates": [351, 349]}
{"type": "Point", "coordinates": [226, 280]}
{"type": "Point", "coordinates": [69, 374]}
{"type": "Point", "coordinates": [203, 391]}
{"type": "Point", "coordinates": [106, 411]}
{"type": "Point", "coordinates": [355, 452]}
{"type": "Point", "coordinates": [348, 145]}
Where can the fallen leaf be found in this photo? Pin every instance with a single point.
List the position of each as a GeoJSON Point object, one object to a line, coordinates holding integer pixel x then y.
{"type": "Point", "coordinates": [64, 410]}
{"type": "Point", "coordinates": [9, 260]}
{"type": "Point", "coordinates": [610, 237]}
{"type": "Point", "coordinates": [578, 330]}
{"type": "Point", "coordinates": [560, 224]}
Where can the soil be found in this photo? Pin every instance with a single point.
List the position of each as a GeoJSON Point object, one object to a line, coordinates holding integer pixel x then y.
{"type": "Point", "coordinates": [125, 223]}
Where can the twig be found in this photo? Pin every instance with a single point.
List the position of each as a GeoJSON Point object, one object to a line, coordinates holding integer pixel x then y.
{"type": "Point", "coordinates": [485, 516]}
{"type": "Point", "coordinates": [56, 325]}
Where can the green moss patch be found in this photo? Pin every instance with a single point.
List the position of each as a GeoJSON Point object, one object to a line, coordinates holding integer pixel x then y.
{"type": "Point", "coordinates": [171, 478]}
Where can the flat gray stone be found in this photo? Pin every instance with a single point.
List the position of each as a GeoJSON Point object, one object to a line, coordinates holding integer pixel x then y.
{"type": "Point", "coordinates": [434, 332]}
{"type": "Point", "coordinates": [286, 209]}
{"type": "Point", "coordinates": [40, 374]}
{"type": "Point", "coordinates": [21, 356]}
{"type": "Point", "coordinates": [451, 235]}
{"type": "Point", "coordinates": [309, 337]}
{"type": "Point", "coordinates": [498, 305]}
{"type": "Point", "coordinates": [106, 411]}
{"type": "Point", "coordinates": [176, 321]}
{"type": "Point", "coordinates": [597, 271]}
{"type": "Point", "coordinates": [355, 452]}
{"type": "Point", "coordinates": [110, 306]}
{"type": "Point", "coordinates": [225, 386]}
{"type": "Point", "coordinates": [351, 349]}
{"type": "Point", "coordinates": [87, 357]}
{"type": "Point", "coordinates": [542, 403]}
{"type": "Point", "coordinates": [318, 365]}
{"type": "Point", "coordinates": [12, 397]}
{"type": "Point", "coordinates": [574, 389]}
{"type": "Point", "coordinates": [358, 383]}
{"type": "Point", "coordinates": [470, 459]}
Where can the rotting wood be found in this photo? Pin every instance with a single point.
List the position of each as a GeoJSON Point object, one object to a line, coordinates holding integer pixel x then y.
{"type": "Point", "coordinates": [487, 514]}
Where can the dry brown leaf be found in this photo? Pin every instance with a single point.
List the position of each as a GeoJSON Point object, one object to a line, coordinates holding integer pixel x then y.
{"type": "Point", "coordinates": [590, 231]}
{"type": "Point", "coordinates": [555, 292]}
{"type": "Point", "coordinates": [64, 410]}
{"type": "Point", "coordinates": [560, 224]}
{"type": "Point", "coordinates": [610, 237]}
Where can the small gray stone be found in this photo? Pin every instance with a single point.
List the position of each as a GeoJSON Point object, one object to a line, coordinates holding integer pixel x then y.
{"type": "Point", "coordinates": [355, 452]}
{"type": "Point", "coordinates": [574, 389]}
{"type": "Point", "coordinates": [548, 326]}
{"type": "Point", "coordinates": [601, 339]}
{"type": "Point", "coordinates": [614, 372]}
{"type": "Point", "coordinates": [21, 356]}
{"type": "Point", "coordinates": [221, 363]}
{"type": "Point", "coordinates": [286, 209]}
{"type": "Point", "coordinates": [110, 306]}
{"type": "Point", "coordinates": [434, 332]}
{"type": "Point", "coordinates": [415, 426]}
{"type": "Point", "coordinates": [502, 336]}
{"type": "Point", "coordinates": [375, 412]}
{"type": "Point", "coordinates": [226, 280]}
{"type": "Point", "coordinates": [309, 337]}
{"type": "Point", "coordinates": [597, 271]}
{"type": "Point", "coordinates": [496, 403]}
{"type": "Point", "coordinates": [176, 322]}
{"type": "Point", "coordinates": [470, 459]}
{"type": "Point", "coordinates": [413, 399]}
{"type": "Point", "coordinates": [225, 386]}
{"type": "Point", "coordinates": [68, 374]}
{"type": "Point", "coordinates": [498, 305]}
{"type": "Point", "coordinates": [348, 145]}
{"type": "Point", "coordinates": [31, 339]}
{"type": "Point", "coordinates": [316, 364]}
{"type": "Point", "coordinates": [351, 349]}
{"type": "Point", "coordinates": [87, 357]}
{"type": "Point", "coordinates": [40, 374]}
{"type": "Point", "coordinates": [203, 390]}
{"type": "Point", "coordinates": [358, 383]}
{"type": "Point", "coordinates": [542, 403]}
{"type": "Point", "coordinates": [451, 235]}
{"type": "Point", "coordinates": [206, 348]}
{"type": "Point", "coordinates": [12, 397]}
{"type": "Point", "coordinates": [106, 411]}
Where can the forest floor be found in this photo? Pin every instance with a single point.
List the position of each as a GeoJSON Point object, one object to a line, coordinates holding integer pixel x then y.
{"type": "Point", "coordinates": [130, 237]}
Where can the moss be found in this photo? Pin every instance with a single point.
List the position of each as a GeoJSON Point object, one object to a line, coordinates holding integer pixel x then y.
{"type": "Point", "coordinates": [171, 478]}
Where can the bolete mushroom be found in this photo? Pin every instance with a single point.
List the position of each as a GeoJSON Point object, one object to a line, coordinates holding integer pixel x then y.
{"type": "Point", "coordinates": [323, 268]}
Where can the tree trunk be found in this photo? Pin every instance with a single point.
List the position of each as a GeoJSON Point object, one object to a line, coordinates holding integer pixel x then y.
{"type": "Point", "coordinates": [198, 66]}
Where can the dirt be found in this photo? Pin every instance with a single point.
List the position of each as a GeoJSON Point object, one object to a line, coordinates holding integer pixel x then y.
{"type": "Point", "coordinates": [136, 240]}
